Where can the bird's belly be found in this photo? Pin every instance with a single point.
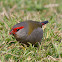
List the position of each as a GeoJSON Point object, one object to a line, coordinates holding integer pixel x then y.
{"type": "Point", "coordinates": [33, 38]}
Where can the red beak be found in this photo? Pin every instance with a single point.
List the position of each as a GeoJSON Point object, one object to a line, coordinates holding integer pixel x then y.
{"type": "Point", "coordinates": [12, 32]}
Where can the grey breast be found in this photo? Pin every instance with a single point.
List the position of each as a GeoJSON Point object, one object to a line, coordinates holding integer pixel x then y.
{"type": "Point", "coordinates": [21, 35]}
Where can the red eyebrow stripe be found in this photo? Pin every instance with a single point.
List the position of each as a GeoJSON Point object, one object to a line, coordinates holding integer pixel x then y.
{"type": "Point", "coordinates": [19, 27]}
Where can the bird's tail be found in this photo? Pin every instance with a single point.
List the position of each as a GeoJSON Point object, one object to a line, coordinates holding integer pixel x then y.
{"type": "Point", "coordinates": [45, 22]}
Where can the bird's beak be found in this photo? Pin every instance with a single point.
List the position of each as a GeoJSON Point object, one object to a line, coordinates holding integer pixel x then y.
{"type": "Point", "coordinates": [11, 32]}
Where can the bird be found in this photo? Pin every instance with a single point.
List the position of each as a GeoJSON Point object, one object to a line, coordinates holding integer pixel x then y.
{"type": "Point", "coordinates": [28, 32]}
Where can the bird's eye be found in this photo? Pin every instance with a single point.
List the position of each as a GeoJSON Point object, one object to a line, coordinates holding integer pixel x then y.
{"type": "Point", "coordinates": [18, 29]}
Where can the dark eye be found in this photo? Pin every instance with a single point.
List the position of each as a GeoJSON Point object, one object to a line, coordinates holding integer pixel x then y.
{"type": "Point", "coordinates": [18, 29]}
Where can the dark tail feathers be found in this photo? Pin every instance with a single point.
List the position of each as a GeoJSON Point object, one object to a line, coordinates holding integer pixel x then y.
{"type": "Point", "coordinates": [45, 22]}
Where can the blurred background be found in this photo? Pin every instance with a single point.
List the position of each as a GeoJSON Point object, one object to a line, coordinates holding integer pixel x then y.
{"type": "Point", "coordinates": [15, 11]}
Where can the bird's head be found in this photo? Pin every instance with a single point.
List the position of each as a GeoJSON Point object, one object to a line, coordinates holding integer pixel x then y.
{"type": "Point", "coordinates": [15, 30]}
